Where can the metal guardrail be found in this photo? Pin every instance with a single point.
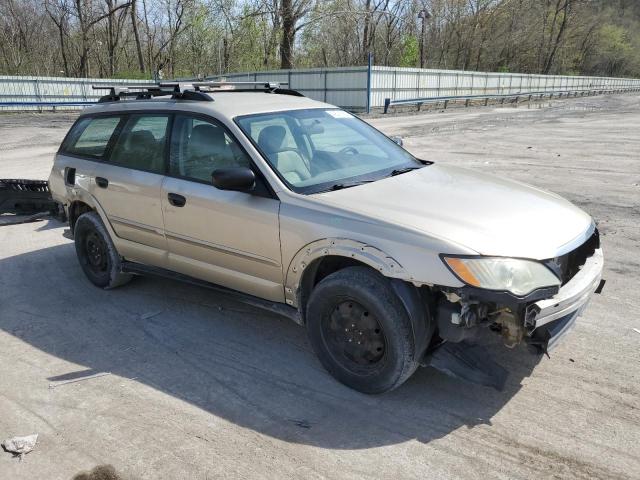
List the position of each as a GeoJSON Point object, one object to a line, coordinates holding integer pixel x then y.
{"type": "Point", "coordinates": [388, 102]}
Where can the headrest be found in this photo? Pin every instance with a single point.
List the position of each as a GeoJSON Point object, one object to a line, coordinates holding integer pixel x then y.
{"type": "Point", "coordinates": [140, 139]}
{"type": "Point", "coordinates": [270, 138]}
{"type": "Point", "coordinates": [207, 139]}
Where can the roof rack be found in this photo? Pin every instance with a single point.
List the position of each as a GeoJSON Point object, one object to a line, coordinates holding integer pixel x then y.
{"type": "Point", "coordinates": [189, 90]}
{"type": "Point", "coordinates": [225, 83]}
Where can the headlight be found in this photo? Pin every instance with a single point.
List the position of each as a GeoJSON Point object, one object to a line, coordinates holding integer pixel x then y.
{"type": "Point", "coordinates": [519, 277]}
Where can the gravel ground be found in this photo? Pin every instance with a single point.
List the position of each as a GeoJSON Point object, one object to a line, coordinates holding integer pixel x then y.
{"type": "Point", "coordinates": [203, 387]}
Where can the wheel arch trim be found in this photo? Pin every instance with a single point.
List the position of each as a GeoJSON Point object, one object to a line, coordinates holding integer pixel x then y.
{"type": "Point", "coordinates": [88, 199]}
{"type": "Point", "coordinates": [340, 247]}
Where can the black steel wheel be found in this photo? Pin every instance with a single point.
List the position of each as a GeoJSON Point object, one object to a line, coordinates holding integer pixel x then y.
{"type": "Point", "coordinates": [354, 336]}
{"type": "Point", "coordinates": [360, 330]}
{"type": "Point", "coordinates": [96, 253]}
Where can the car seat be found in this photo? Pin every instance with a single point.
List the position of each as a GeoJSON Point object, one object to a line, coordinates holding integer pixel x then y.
{"type": "Point", "coordinates": [288, 162]}
{"type": "Point", "coordinates": [207, 151]}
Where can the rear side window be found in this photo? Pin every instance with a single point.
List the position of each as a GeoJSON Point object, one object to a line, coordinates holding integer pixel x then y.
{"type": "Point", "coordinates": [90, 136]}
{"type": "Point", "coordinates": [142, 143]}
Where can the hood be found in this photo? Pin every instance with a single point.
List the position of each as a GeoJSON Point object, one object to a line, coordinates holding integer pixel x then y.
{"type": "Point", "coordinates": [487, 214]}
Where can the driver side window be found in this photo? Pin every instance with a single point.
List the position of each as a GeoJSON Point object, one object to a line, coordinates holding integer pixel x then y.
{"type": "Point", "coordinates": [198, 147]}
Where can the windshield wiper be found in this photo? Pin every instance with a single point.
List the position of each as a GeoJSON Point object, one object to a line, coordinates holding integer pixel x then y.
{"type": "Point", "coordinates": [399, 171]}
{"type": "Point", "coordinates": [340, 186]}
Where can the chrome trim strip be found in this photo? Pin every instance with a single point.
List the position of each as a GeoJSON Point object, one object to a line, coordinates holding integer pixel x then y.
{"type": "Point", "coordinates": [576, 242]}
{"type": "Point", "coordinates": [221, 249]}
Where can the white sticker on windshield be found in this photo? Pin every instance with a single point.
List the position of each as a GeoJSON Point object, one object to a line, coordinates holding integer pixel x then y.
{"type": "Point", "coordinates": [339, 114]}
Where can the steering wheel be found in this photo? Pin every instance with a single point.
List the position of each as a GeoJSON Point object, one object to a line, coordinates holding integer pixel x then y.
{"type": "Point", "coordinates": [351, 150]}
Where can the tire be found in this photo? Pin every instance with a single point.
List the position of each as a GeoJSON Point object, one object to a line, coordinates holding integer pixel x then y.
{"type": "Point", "coordinates": [360, 331]}
{"type": "Point", "coordinates": [96, 253]}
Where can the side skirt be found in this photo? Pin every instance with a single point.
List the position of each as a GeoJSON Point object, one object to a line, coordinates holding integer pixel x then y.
{"type": "Point", "coordinates": [275, 307]}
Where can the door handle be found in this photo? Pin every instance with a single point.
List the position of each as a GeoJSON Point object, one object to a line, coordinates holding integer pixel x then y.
{"type": "Point", "coordinates": [176, 200]}
{"type": "Point", "coordinates": [102, 182]}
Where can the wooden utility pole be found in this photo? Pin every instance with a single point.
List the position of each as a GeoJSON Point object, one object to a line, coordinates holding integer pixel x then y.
{"type": "Point", "coordinates": [424, 15]}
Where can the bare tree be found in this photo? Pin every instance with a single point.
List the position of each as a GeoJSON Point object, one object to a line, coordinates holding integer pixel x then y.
{"type": "Point", "coordinates": [115, 23]}
{"type": "Point", "coordinates": [199, 37]}
{"type": "Point", "coordinates": [87, 14]}
{"type": "Point", "coordinates": [20, 26]}
{"type": "Point", "coordinates": [134, 27]}
{"type": "Point", "coordinates": [291, 14]}
{"type": "Point", "coordinates": [59, 13]}
{"type": "Point", "coordinates": [558, 28]}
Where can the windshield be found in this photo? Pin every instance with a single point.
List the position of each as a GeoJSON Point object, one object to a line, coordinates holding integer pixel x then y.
{"type": "Point", "coordinates": [323, 149]}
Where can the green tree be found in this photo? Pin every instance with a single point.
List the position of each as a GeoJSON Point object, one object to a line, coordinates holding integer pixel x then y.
{"type": "Point", "coordinates": [410, 52]}
{"type": "Point", "coordinates": [615, 54]}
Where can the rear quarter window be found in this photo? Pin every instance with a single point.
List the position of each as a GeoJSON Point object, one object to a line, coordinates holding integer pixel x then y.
{"type": "Point", "coordinates": [90, 136]}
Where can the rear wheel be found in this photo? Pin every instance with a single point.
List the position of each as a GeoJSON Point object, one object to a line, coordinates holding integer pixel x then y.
{"type": "Point", "coordinates": [360, 331]}
{"type": "Point", "coordinates": [96, 253]}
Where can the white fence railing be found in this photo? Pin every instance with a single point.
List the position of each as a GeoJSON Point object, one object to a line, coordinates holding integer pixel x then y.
{"type": "Point", "coordinates": [405, 83]}
{"type": "Point", "coordinates": [36, 93]}
{"type": "Point", "coordinates": [347, 87]}
{"type": "Point", "coordinates": [352, 88]}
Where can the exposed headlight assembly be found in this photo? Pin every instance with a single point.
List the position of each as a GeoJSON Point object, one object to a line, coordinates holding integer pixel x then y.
{"type": "Point", "coordinates": [514, 275]}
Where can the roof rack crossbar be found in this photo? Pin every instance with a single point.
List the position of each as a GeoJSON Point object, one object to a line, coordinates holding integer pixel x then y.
{"type": "Point", "coordinates": [219, 84]}
{"type": "Point", "coordinates": [139, 91]}
{"type": "Point", "coordinates": [186, 90]}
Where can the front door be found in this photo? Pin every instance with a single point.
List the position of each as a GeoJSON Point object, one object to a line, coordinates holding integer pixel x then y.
{"type": "Point", "coordinates": [224, 237]}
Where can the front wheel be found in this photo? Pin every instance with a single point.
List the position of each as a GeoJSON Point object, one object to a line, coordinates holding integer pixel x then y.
{"type": "Point", "coordinates": [96, 253]}
{"type": "Point", "coordinates": [360, 331]}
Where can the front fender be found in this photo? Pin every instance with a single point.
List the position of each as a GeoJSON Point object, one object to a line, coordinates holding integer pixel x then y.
{"type": "Point", "coordinates": [342, 247]}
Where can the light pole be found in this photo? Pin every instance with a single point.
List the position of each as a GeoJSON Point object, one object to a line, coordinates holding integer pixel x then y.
{"type": "Point", "coordinates": [424, 15]}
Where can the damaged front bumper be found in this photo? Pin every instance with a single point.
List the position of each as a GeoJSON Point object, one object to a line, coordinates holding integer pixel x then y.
{"type": "Point", "coordinates": [550, 319]}
{"type": "Point", "coordinates": [540, 320]}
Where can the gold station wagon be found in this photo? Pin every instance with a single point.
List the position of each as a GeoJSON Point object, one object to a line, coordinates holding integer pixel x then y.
{"type": "Point", "coordinates": [301, 207]}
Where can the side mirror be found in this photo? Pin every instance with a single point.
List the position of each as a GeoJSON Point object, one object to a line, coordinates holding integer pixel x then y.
{"type": "Point", "coordinates": [397, 140]}
{"type": "Point", "coordinates": [240, 179]}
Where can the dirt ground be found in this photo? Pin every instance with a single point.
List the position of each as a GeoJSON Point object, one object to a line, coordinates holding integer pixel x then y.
{"type": "Point", "coordinates": [203, 387]}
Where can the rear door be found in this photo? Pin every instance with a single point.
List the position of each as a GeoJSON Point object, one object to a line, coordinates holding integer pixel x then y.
{"type": "Point", "coordinates": [228, 238]}
{"type": "Point", "coordinates": [128, 182]}
{"type": "Point", "coordinates": [83, 148]}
